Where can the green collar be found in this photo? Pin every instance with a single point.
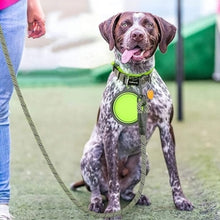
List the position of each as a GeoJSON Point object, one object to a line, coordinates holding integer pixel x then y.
{"type": "Point", "coordinates": [132, 74]}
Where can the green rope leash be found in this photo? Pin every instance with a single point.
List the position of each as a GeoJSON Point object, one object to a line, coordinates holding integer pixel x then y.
{"type": "Point", "coordinates": [141, 111]}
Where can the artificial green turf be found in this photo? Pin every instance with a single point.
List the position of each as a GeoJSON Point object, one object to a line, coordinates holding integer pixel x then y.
{"type": "Point", "coordinates": [65, 117]}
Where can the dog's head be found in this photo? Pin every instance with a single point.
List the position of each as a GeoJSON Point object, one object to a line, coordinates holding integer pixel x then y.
{"type": "Point", "coordinates": [137, 35]}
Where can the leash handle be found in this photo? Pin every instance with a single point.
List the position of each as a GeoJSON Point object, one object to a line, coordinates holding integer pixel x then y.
{"type": "Point", "coordinates": [46, 156]}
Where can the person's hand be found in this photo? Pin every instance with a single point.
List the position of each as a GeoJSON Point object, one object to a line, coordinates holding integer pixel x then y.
{"type": "Point", "coordinates": [36, 19]}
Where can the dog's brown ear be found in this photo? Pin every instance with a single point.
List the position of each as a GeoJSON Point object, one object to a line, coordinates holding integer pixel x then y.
{"type": "Point", "coordinates": [167, 33]}
{"type": "Point", "coordinates": [107, 30]}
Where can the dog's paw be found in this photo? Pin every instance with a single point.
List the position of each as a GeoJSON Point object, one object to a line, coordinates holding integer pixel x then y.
{"type": "Point", "coordinates": [183, 204]}
{"type": "Point", "coordinates": [143, 201]}
{"type": "Point", "coordinates": [111, 209]}
{"type": "Point", "coordinates": [97, 206]}
{"type": "Point", "coordinates": [114, 218]}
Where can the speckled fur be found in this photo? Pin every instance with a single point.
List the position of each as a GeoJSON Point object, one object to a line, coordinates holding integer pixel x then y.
{"type": "Point", "coordinates": [111, 160]}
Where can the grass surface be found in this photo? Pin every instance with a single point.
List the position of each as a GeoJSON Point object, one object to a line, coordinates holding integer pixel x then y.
{"type": "Point", "coordinates": [65, 117]}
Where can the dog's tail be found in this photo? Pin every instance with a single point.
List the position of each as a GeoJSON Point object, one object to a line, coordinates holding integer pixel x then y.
{"type": "Point", "coordinates": [76, 185]}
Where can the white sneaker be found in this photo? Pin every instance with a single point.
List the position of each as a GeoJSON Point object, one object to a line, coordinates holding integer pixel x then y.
{"type": "Point", "coordinates": [4, 213]}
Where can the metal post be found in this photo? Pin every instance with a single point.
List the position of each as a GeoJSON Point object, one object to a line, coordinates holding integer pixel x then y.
{"type": "Point", "coordinates": [180, 62]}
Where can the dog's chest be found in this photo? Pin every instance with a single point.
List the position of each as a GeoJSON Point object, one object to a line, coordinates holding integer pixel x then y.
{"type": "Point", "coordinates": [129, 142]}
{"type": "Point", "coordinates": [128, 137]}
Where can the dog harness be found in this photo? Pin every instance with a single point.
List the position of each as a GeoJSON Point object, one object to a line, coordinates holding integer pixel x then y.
{"type": "Point", "coordinates": [126, 103]}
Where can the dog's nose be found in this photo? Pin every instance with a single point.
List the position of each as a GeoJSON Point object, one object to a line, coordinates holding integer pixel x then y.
{"type": "Point", "coordinates": [137, 35]}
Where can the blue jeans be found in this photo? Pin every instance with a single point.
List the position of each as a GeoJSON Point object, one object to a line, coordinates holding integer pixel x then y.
{"type": "Point", "coordinates": [13, 22]}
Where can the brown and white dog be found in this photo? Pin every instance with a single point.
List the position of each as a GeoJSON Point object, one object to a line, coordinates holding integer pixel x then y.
{"type": "Point", "coordinates": [111, 160]}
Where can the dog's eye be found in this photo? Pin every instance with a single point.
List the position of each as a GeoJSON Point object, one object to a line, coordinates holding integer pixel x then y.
{"type": "Point", "coordinates": [125, 24]}
{"type": "Point", "coordinates": [148, 24]}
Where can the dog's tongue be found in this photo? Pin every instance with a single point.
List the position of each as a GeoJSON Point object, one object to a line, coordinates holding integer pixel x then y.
{"type": "Point", "coordinates": [127, 55]}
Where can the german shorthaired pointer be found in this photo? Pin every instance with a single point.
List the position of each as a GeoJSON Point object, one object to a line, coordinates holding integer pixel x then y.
{"type": "Point", "coordinates": [111, 160]}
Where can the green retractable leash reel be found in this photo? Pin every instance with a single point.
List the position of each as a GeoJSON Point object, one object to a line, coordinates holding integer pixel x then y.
{"type": "Point", "coordinates": [124, 107]}
{"type": "Point", "coordinates": [121, 103]}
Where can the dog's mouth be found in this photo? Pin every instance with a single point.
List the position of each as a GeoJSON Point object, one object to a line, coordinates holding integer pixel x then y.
{"type": "Point", "coordinates": [137, 54]}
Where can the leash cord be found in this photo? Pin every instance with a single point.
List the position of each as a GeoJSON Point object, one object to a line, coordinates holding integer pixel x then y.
{"type": "Point", "coordinates": [47, 158]}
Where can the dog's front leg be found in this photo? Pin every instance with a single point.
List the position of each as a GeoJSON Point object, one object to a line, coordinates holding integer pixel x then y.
{"type": "Point", "coordinates": [111, 156]}
{"type": "Point", "coordinates": [168, 145]}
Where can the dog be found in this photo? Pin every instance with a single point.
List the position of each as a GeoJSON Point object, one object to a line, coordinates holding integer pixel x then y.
{"type": "Point", "coordinates": [110, 164]}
